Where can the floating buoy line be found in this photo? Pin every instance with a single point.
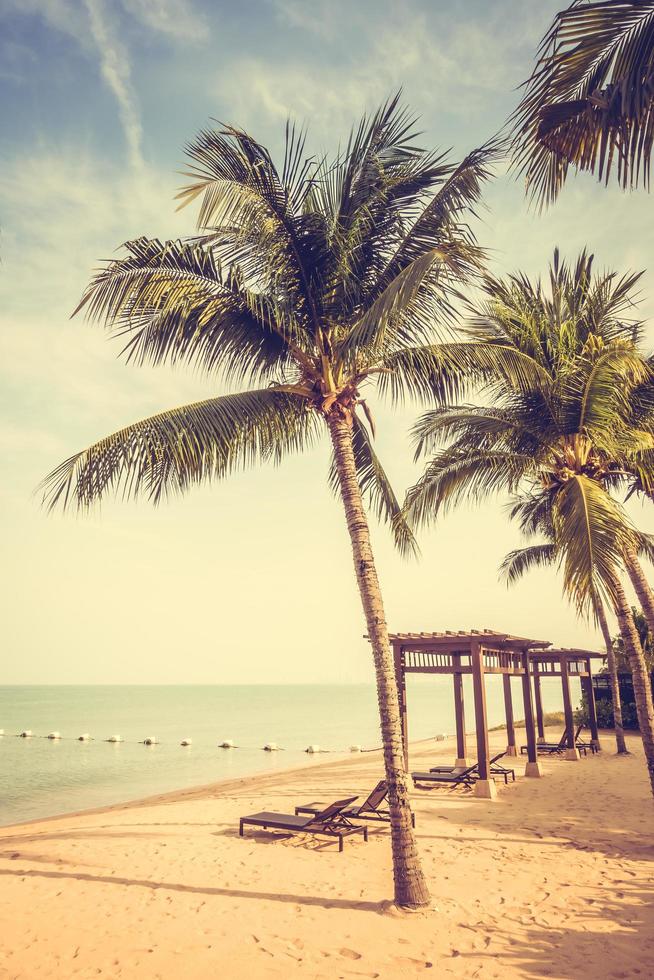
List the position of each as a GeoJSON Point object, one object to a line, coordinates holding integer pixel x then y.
{"type": "Point", "coordinates": [311, 749]}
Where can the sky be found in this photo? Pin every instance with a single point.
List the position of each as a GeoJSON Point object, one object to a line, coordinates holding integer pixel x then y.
{"type": "Point", "coordinates": [250, 580]}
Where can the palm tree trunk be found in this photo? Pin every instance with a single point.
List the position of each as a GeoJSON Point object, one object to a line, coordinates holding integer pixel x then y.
{"type": "Point", "coordinates": [641, 586]}
{"type": "Point", "coordinates": [613, 676]}
{"type": "Point", "coordinates": [639, 673]}
{"type": "Point", "coordinates": [410, 885]}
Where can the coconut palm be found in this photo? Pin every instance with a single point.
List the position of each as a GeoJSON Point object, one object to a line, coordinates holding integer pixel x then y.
{"type": "Point", "coordinates": [558, 434]}
{"type": "Point", "coordinates": [311, 284]}
{"type": "Point", "coordinates": [589, 102]}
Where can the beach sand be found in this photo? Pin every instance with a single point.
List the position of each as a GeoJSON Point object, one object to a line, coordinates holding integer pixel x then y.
{"type": "Point", "coordinates": [553, 879]}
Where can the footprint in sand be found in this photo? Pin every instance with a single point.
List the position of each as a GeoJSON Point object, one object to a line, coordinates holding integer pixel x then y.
{"type": "Point", "coordinates": [350, 954]}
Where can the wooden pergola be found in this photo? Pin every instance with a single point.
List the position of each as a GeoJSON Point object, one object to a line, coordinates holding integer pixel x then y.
{"type": "Point", "coordinates": [565, 663]}
{"type": "Point", "coordinates": [481, 652]}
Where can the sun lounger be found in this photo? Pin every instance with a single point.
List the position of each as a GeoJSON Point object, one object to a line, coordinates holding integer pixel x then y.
{"type": "Point", "coordinates": [329, 822]}
{"type": "Point", "coordinates": [556, 748]}
{"type": "Point", "coordinates": [584, 746]}
{"type": "Point", "coordinates": [495, 769]}
{"type": "Point", "coordinates": [370, 809]}
{"type": "Point", "coordinates": [464, 777]}
{"type": "Point", "coordinates": [548, 748]}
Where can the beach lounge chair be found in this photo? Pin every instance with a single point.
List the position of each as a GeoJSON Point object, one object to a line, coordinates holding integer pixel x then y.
{"type": "Point", "coordinates": [556, 748]}
{"type": "Point", "coordinates": [495, 769]}
{"type": "Point", "coordinates": [584, 746]}
{"type": "Point", "coordinates": [370, 809]}
{"type": "Point", "coordinates": [329, 822]}
{"type": "Point", "coordinates": [463, 777]}
{"type": "Point", "coordinates": [547, 748]}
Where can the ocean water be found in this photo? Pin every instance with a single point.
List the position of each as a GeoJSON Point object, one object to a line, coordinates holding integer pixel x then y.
{"type": "Point", "coordinates": [40, 777]}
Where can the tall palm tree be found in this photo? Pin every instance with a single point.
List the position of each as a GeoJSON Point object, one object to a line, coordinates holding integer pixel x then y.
{"type": "Point", "coordinates": [313, 283]}
{"type": "Point", "coordinates": [589, 102]}
{"type": "Point", "coordinates": [557, 434]}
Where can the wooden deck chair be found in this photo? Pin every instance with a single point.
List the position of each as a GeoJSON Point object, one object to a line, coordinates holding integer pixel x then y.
{"type": "Point", "coordinates": [370, 809]}
{"type": "Point", "coordinates": [328, 822]}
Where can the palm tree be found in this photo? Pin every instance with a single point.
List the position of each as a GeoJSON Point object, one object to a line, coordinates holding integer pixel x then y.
{"type": "Point", "coordinates": [589, 102]}
{"type": "Point", "coordinates": [519, 561]}
{"type": "Point", "coordinates": [557, 434]}
{"type": "Point", "coordinates": [312, 283]}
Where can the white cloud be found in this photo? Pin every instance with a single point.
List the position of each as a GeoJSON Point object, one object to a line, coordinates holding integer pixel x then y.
{"type": "Point", "coordinates": [116, 72]}
{"type": "Point", "coordinates": [176, 18]}
{"type": "Point", "coordinates": [95, 25]}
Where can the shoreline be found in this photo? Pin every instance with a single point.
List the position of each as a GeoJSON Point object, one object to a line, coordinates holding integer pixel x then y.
{"type": "Point", "coordinates": [205, 790]}
{"type": "Point", "coordinates": [554, 878]}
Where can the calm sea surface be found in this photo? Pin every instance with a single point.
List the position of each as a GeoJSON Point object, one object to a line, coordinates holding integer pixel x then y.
{"type": "Point", "coordinates": [39, 777]}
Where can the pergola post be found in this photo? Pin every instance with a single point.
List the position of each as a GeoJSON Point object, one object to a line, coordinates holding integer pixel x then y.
{"type": "Point", "coordinates": [459, 714]}
{"type": "Point", "coordinates": [508, 710]}
{"type": "Point", "coordinates": [589, 690]}
{"type": "Point", "coordinates": [400, 680]}
{"type": "Point", "coordinates": [571, 751]}
{"type": "Point", "coordinates": [533, 766]}
{"type": "Point", "coordinates": [485, 785]}
{"type": "Point", "coordinates": [539, 705]}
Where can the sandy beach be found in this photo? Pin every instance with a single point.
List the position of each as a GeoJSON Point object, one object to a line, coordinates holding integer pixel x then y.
{"type": "Point", "coordinates": [555, 878]}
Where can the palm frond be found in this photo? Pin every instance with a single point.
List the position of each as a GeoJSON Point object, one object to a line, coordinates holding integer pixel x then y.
{"type": "Point", "coordinates": [255, 217]}
{"type": "Point", "coordinates": [472, 425]}
{"type": "Point", "coordinates": [592, 532]}
{"type": "Point", "coordinates": [452, 477]}
{"type": "Point", "coordinates": [446, 371]}
{"type": "Point", "coordinates": [172, 451]}
{"type": "Point", "coordinates": [395, 317]}
{"type": "Point", "coordinates": [590, 100]}
{"type": "Point", "coordinates": [172, 302]}
{"type": "Point", "coordinates": [517, 563]}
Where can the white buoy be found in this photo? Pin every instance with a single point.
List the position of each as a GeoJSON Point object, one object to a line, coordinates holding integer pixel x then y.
{"type": "Point", "coordinates": [227, 744]}
{"type": "Point", "coordinates": [355, 748]}
{"type": "Point", "coordinates": [54, 735]}
{"type": "Point", "coordinates": [27, 733]}
{"type": "Point", "coordinates": [312, 748]}
{"type": "Point", "coordinates": [186, 741]}
{"type": "Point", "coordinates": [150, 740]}
{"type": "Point", "coordinates": [440, 738]}
{"type": "Point", "coordinates": [115, 738]}
{"type": "Point", "coordinates": [2, 731]}
{"type": "Point", "coordinates": [85, 737]}
{"type": "Point", "coordinates": [270, 747]}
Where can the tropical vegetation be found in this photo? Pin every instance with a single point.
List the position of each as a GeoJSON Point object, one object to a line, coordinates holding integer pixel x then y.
{"type": "Point", "coordinates": [560, 435]}
{"type": "Point", "coordinates": [308, 286]}
{"type": "Point", "coordinates": [589, 102]}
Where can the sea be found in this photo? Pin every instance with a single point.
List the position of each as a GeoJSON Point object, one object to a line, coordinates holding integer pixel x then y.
{"type": "Point", "coordinates": [41, 777]}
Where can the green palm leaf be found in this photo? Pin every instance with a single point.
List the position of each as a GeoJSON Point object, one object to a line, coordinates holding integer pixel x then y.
{"type": "Point", "coordinates": [593, 532]}
{"type": "Point", "coordinates": [517, 563]}
{"type": "Point", "coordinates": [174, 450]}
{"type": "Point", "coordinates": [454, 476]}
{"type": "Point", "coordinates": [590, 100]}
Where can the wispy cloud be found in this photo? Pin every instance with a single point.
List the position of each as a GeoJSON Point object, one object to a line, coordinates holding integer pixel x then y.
{"type": "Point", "coordinates": [176, 18]}
{"type": "Point", "coordinates": [116, 72]}
{"type": "Point", "coordinates": [96, 27]}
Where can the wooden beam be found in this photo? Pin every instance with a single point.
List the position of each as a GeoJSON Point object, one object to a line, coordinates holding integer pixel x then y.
{"type": "Point", "coordinates": [484, 786]}
{"type": "Point", "coordinates": [540, 723]}
{"type": "Point", "coordinates": [571, 752]}
{"type": "Point", "coordinates": [511, 748]}
{"type": "Point", "coordinates": [460, 718]}
{"type": "Point", "coordinates": [532, 768]}
{"type": "Point", "coordinates": [587, 684]}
